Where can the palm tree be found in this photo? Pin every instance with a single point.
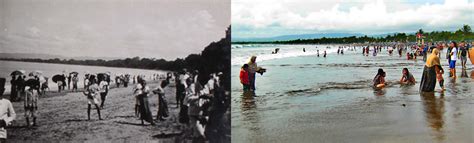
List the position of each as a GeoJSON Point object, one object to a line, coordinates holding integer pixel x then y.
{"type": "Point", "coordinates": [466, 29]}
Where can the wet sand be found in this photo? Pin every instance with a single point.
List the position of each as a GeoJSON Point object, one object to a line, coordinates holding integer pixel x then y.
{"type": "Point", "coordinates": [310, 99]}
{"type": "Point", "coordinates": [63, 117]}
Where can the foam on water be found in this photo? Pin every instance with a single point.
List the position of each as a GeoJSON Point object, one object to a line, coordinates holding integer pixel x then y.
{"type": "Point", "coordinates": [242, 54]}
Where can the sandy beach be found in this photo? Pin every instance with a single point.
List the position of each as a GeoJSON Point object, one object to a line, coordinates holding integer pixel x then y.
{"type": "Point", "coordinates": [63, 117]}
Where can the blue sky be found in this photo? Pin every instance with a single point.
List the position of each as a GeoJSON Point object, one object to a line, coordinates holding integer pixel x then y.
{"type": "Point", "coordinates": [269, 18]}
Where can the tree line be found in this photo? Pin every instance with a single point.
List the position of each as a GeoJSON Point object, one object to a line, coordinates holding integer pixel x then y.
{"type": "Point", "coordinates": [214, 58]}
{"type": "Point", "coordinates": [462, 34]}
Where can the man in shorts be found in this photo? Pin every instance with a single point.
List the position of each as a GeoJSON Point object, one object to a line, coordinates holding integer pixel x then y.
{"type": "Point", "coordinates": [453, 56]}
{"type": "Point", "coordinates": [463, 54]}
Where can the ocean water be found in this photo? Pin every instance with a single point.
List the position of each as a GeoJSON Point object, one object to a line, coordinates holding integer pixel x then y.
{"type": "Point", "coordinates": [49, 70]}
{"type": "Point", "coordinates": [300, 91]}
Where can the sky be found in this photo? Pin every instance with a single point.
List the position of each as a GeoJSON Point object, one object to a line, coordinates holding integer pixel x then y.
{"type": "Point", "coordinates": [166, 29]}
{"type": "Point", "coordinates": [270, 18]}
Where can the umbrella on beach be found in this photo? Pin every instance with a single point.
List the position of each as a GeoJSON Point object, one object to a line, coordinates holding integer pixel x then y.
{"type": "Point", "coordinates": [74, 72]}
{"type": "Point", "coordinates": [103, 76]}
{"type": "Point", "coordinates": [18, 72]}
{"type": "Point", "coordinates": [32, 83]}
{"type": "Point", "coordinates": [35, 73]}
{"type": "Point", "coordinates": [58, 77]}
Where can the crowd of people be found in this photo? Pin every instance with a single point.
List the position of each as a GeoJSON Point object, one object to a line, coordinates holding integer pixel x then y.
{"type": "Point", "coordinates": [202, 99]}
{"type": "Point", "coordinates": [431, 53]}
{"type": "Point", "coordinates": [433, 70]}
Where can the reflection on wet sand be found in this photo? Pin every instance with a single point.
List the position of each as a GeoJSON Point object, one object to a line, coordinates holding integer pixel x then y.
{"type": "Point", "coordinates": [464, 73]}
{"type": "Point", "coordinates": [472, 74]}
{"type": "Point", "coordinates": [434, 112]}
{"type": "Point", "coordinates": [249, 113]}
{"type": "Point", "coordinates": [248, 101]}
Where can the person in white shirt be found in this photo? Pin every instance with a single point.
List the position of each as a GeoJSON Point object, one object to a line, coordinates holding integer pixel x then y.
{"type": "Point", "coordinates": [31, 105]}
{"type": "Point", "coordinates": [92, 93]}
{"type": "Point", "coordinates": [452, 63]}
{"type": "Point", "coordinates": [7, 113]}
{"type": "Point", "coordinates": [104, 89]}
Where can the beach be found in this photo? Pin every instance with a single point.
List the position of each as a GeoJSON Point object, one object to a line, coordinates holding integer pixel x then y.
{"type": "Point", "coordinates": [305, 98]}
{"type": "Point", "coordinates": [64, 118]}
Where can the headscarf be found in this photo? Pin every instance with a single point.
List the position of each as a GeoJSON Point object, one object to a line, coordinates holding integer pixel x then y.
{"type": "Point", "coordinates": [252, 65]}
{"type": "Point", "coordinates": [433, 59]}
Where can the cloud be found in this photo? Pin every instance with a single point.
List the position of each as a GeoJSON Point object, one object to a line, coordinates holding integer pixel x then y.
{"type": "Point", "coordinates": [379, 16]}
{"type": "Point", "coordinates": [112, 28]}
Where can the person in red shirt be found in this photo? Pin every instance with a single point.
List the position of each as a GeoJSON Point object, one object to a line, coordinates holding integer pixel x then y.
{"type": "Point", "coordinates": [244, 77]}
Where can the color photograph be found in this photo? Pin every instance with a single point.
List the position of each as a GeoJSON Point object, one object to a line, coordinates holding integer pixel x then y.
{"type": "Point", "coordinates": [352, 71]}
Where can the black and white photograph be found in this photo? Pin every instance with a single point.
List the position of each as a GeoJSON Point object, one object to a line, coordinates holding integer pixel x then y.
{"type": "Point", "coordinates": [115, 71]}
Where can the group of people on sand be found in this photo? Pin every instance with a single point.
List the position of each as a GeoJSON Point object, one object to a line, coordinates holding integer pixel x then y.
{"type": "Point", "coordinates": [202, 102]}
{"type": "Point", "coordinates": [28, 88]}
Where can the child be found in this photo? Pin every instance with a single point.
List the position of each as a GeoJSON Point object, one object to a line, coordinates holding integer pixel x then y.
{"type": "Point", "coordinates": [31, 105]}
{"type": "Point", "coordinates": [244, 77]}
{"type": "Point", "coordinates": [92, 93]}
{"type": "Point", "coordinates": [439, 76]}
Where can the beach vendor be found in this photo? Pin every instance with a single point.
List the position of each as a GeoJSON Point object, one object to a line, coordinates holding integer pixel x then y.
{"type": "Point", "coordinates": [7, 113]}
{"type": "Point", "coordinates": [428, 79]}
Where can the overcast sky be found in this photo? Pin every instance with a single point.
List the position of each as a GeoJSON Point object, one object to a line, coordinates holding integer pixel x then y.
{"type": "Point", "coordinates": [112, 28]}
{"type": "Point", "coordinates": [268, 18]}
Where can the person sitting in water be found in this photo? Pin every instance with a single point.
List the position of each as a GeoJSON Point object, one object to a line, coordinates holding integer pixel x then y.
{"type": "Point", "coordinates": [244, 77]}
{"type": "Point", "coordinates": [407, 77]}
{"type": "Point", "coordinates": [379, 79]}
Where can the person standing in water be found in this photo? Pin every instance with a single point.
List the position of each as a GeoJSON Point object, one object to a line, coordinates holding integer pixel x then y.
{"type": "Point", "coordinates": [317, 52]}
{"type": "Point", "coordinates": [324, 54]}
{"type": "Point", "coordinates": [244, 77]}
{"type": "Point", "coordinates": [252, 70]}
{"type": "Point", "coordinates": [428, 79]}
{"type": "Point", "coordinates": [453, 54]}
{"type": "Point", "coordinates": [463, 54]}
{"type": "Point", "coordinates": [7, 113]}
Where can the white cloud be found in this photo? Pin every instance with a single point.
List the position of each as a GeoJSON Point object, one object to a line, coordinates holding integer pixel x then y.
{"type": "Point", "coordinates": [379, 16]}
